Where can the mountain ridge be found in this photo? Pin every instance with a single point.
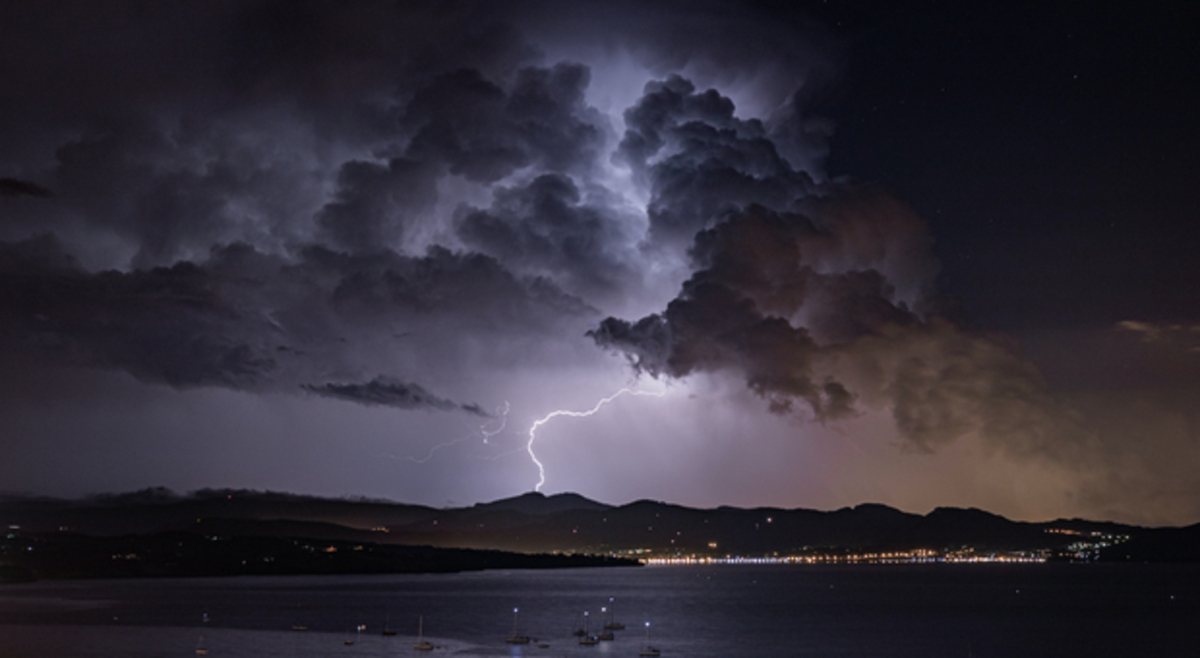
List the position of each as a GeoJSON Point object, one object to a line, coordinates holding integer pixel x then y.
{"type": "Point", "coordinates": [570, 523]}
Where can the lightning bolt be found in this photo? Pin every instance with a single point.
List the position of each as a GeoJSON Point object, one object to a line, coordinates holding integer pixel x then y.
{"type": "Point", "coordinates": [573, 414]}
{"type": "Point", "coordinates": [501, 412]}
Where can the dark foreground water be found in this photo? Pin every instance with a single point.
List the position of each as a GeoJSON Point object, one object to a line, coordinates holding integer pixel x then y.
{"type": "Point", "coordinates": [904, 610]}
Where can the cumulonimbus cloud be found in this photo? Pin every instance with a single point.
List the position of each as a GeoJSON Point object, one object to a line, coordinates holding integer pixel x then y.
{"type": "Point", "coordinates": [250, 321]}
{"type": "Point", "coordinates": [822, 295]}
{"type": "Point", "coordinates": [374, 202]}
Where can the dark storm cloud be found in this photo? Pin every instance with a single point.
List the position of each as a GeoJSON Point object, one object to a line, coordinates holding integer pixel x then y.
{"type": "Point", "coordinates": [478, 293]}
{"type": "Point", "coordinates": [939, 382]}
{"type": "Point", "coordinates": [389, 392]}
{"type": "Point", "coordinates": [70, 64]}
{"type": "Point", "coordinates": [373, 200]}
{"type": "Point", "coordinates": [249, 191]}
{"type": "Point", "coordinates": [173, 181]}
{"type": "Point", "coordinates": [821, 295]}
{"type": "Point", "coordinates": [272, 182]}
{"type": "Point", "coordinates": [750, 305]}
{"type": "Point", "coordinates": [548, 227]}
{"type": "Point", "coordinates": [172, 129]}
{"type": "Point", "coordinates": [466, 125]}
{"type": "Point", "coordinates": [165, 325]}
{"type": "Point", "coordinates": [700, 161]}
{"type": "Point", "coordinates": [484, 132]}
{"type": "Point", "coordinates": [250, 321]}
{"type": "Point", "coordinates": [781, 273]}
{"type": "Point", "coordinates": [170, 187]}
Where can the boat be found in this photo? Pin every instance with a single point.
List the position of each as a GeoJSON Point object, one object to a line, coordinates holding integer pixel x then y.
{"type": "Point", "coordinates": [587, 639]}
{"type": "Point", "coordinates": [517, 639]}
{"type": "Point", "coordinates": [613, 624]}
{"type": "Point", "coordinates": [649, 650]}
{"type": "Point", "coordinates": [387, 623]}
{"type": "Point", "coordinates": [200, 649]}
{"type": "Point", "coordinates": [422, 644]}
{"type": "Point", "coordinates": [604, 635]}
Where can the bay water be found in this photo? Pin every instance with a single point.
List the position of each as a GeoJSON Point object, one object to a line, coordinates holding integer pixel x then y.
{"type": "Point", "coordinates": [927, 611]}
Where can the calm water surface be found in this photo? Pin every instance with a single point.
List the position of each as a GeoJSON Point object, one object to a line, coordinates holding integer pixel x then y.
{"type": "Point", "coordinates": [730, 610]}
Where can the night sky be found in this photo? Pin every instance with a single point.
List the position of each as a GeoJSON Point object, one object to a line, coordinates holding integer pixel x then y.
{"type": "Point", "coordinates": [836, 252]}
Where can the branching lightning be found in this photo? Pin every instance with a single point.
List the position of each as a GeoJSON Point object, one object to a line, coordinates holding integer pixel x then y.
{"type": "Point", "coordinates": [498, 424]}
{"type": "Point", "coordinates": [573, 414]}
{"type": "Point", "coordinates": [501, 411]}
{"type": "Point", "coordinates": [501, 417]}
